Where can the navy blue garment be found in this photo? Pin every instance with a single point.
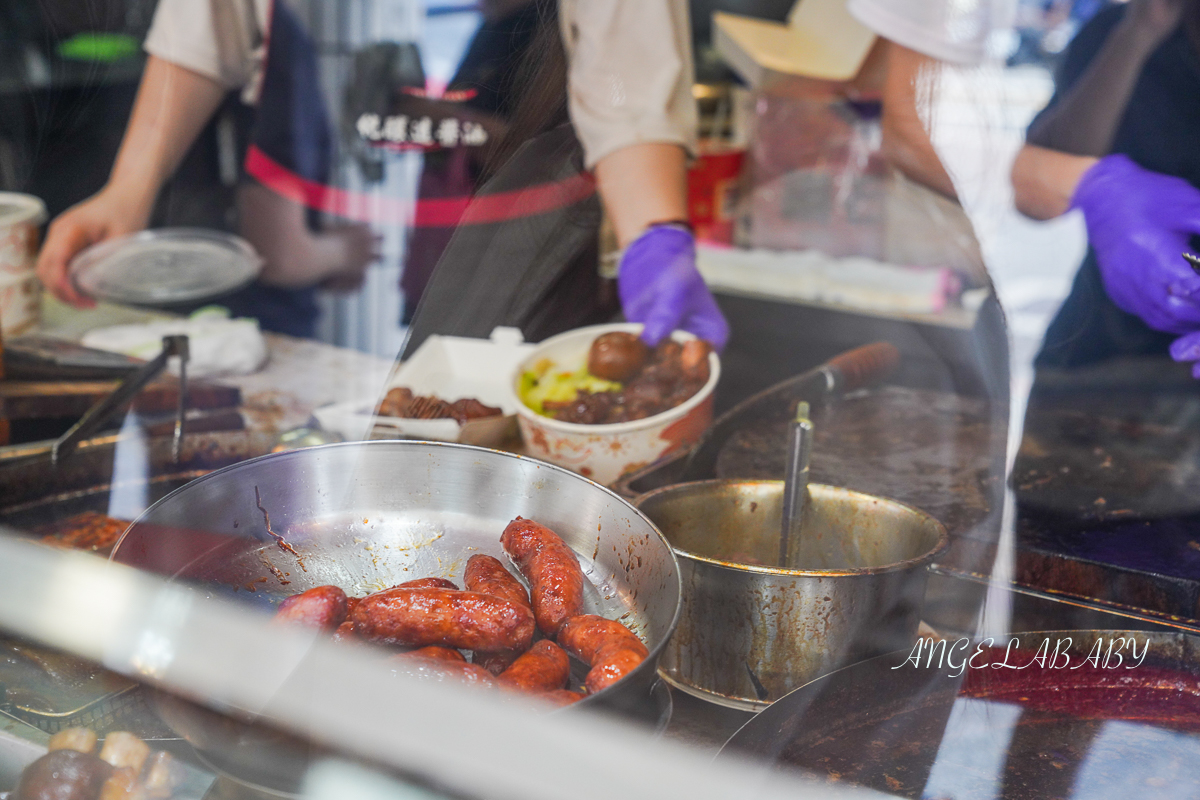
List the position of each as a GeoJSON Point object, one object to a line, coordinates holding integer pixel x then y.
{"type": "Point", "coordinates": [293, 128]}
{"type": "Point", "coordinates": [1160, 131]}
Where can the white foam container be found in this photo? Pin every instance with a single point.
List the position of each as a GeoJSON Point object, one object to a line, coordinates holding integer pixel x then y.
{"type": "Point", "coordinates": [450, 367]}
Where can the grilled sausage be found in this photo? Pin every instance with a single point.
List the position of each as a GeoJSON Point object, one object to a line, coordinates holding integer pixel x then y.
{"type": "Point", "coordinates": [345, 632]}
{"type": "Point", "coordinates": [437, 652]}
{"type": "Point", "coordinates": [608, 647]}
{"type": "Point", "coordinates": [544, 668]}
{"type": "Point", "coordinates": [322, 607]}
{"type": "Point", "coordinates": [552, 569]}
{"type": "Point", "coordinates": [467, 620]}
{"type": "Point", "coordinates": [496, 663]}
{"type": "Point", "coordinates": [611, 667]}
{"type": "Point", "coordinates": [487, 575]}
{"type": "Point", "coordinates": [440, 670]}
{"type": "Point", "coordinates": [427, 583]}
{"type": "Point", "coordinates": [560, 697]}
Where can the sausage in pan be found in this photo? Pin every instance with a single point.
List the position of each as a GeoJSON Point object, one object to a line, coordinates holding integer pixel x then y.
{"type": "Point", "coordinates": [552, 569]}
{"type": "Point", "coordinates": [608, 647]}
{"type": "Point", "coordinates": [466, 620]}
{"type": "Point", "coordinates": [321, 607]}
{"type": "Point", "coordinates": [427, 583]}
{"type": "Point", "coordinates": [487, 575]}
{"type": "Point", "coordinates": [435, 651]}
{"type": "Point", "coordinates": [544, 668]}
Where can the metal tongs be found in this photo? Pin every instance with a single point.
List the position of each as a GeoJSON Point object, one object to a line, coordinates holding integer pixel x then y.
{"type": "Point", "coordinates": [99, 414]}
{"type": "Point", "coordinates": [795, 484]}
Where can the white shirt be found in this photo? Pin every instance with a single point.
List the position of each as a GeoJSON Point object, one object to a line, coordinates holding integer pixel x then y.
{"type": "Point", "coordinates": [948, 30]}
{"type": "Point", "coordinates": [629, 80]}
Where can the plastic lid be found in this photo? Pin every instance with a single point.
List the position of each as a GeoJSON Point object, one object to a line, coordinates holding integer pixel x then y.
{"type": "Point", "coordinates": [166, 266]}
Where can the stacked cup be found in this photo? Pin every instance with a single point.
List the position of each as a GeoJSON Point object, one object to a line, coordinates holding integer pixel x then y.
{"type": "Point", "coordinates": [21, 215]}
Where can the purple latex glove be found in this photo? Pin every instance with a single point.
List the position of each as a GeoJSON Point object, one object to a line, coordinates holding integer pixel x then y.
{"type": "Point", "coordinates": [660, 287]}
{"type": "Point", "coordinates": [1139, 222]}
{"type": "Point", "coordinates": [1187, 348]}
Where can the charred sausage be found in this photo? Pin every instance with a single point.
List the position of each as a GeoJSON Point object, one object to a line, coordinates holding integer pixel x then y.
{"type": "Point", "coordinates": [496, 663]}
{"type": "Point", "coordinates": [427, 583]}
{"type": "Point", "coordinates": [544, 668]}
{"type": "Point", "coordinates": [610, 667]}
{"type": "Point", "coordinates": [552, 569]}
{"type": "Point", "coordinates": [435, 651]}
{"type": "Point", "coordinates": [487, 575]}
{"type": "Point", "coordinates": [321, 607]}
{"type": "Point", "coordinates": [560, 697]}
{"type": "Point", "coordinates": [345, 632]}
{"type": "Point", "coordinates": [608, 647]}
{"type": "Point", "coordinates": [467, 620]}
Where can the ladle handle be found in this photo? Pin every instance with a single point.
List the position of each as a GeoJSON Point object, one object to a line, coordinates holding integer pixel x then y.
{"type": "Point", "coordinates": [862, 366]}
{"type": "Point", "coordinates": [795, 486]}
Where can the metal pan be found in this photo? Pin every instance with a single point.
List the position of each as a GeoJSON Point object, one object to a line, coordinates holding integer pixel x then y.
{"type": "Point", "coordinates": [367, 515]}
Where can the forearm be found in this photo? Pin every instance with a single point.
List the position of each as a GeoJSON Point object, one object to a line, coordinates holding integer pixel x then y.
{"type": "Point", "coordinates": [1085, 121]}
{"type": "Point", "coordinates": [906, 142]}
{"type": "Point", "coordinates": [293, 255]}
{"type": "Point", "coordinates": [173, 105]}
{"type": "Point", "coordinates": [642, 184]}
{"type": "Point", "coordinates": [1044, 180]}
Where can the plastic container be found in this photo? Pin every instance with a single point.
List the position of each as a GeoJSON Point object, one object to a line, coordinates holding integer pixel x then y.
{"type": "Point", "coordinates": [450, 367]}
{"type": "Point", "coordinates": [20, 291]}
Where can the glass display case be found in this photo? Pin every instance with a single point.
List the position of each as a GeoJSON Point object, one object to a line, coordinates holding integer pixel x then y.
{"type": "Point", "coordinates": [532, 398]}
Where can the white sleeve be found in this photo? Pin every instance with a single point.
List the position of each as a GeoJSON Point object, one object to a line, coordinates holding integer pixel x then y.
{"type": "Point", "coordinates": [630, 73]}
{"type": "Point", "coordinates": [221, 39]}
{"type": "Point", "coordinates": [948, 30]}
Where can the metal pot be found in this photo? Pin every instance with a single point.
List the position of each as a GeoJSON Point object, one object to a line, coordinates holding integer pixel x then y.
{"type": "Point", "coordinates": [750, 632]}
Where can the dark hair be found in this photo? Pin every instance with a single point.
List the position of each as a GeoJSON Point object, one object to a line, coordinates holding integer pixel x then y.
{"type": "Point", "coordinates": [541, 86]}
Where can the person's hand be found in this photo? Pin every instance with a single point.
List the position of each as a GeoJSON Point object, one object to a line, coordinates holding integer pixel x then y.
{"type": "Point", "coordinates": [1152, 21]}
{"type": "Point", "coordinates": [1139, 223]}
{"type": "Point", "coordinates": [661, 288]}
{"type": "Point", "coordinates": [360, 248]}
{"type": "Point", "coordinates": [105, 215]}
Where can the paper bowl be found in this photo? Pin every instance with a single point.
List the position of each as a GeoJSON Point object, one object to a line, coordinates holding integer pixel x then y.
{"type": "Point", "coordinates": [606, 452]}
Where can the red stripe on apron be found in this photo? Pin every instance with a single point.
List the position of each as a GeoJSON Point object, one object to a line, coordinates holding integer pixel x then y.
{"type": "Point", "coordinates": [541, 198]}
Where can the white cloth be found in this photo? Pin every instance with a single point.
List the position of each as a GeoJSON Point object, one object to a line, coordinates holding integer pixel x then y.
{"type": "Point", "coordinates": [221, 39]}
{"type": "Point", "coordinates": [217, 345]}
{"type": "Point", "coordinates": [948, 30]}
{"type": "Point", "coordinates": [630, 74]}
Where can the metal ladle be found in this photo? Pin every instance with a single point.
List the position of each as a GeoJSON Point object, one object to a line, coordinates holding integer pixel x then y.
{"type": "Point", "coordinates": [795, 487]}
{"type": "Point", "coordinates": [106, 409]}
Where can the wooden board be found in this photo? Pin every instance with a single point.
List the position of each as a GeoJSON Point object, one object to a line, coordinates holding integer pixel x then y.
{"type": "Point", "coordinates": [43, 399]}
